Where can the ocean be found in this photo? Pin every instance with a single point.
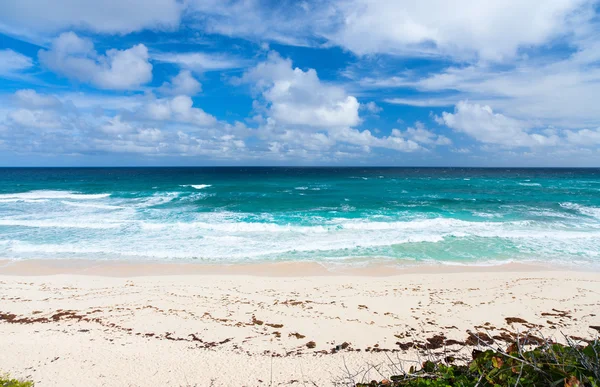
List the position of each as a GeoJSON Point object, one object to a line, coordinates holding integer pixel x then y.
{"type": "Point", "coordinates": [454, 216]}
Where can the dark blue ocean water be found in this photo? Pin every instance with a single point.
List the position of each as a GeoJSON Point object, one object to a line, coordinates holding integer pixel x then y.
{"type": "Point", "coordinates": [407, 215]}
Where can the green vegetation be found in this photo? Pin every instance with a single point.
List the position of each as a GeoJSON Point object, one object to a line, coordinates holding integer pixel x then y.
{"type": "Point", "coordinates": [546, 365]}
{"type": "Point", "coordinates": [6, 381]}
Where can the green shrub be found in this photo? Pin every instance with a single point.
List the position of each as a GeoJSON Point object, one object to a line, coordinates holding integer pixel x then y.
{"type": "Point", "coordinates": [6, 381]}
{"type": "Point", "coordinates": [547, 365]}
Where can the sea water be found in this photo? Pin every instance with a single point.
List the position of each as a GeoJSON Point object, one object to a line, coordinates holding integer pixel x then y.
{"type": "Point", "coordinates": [459, 216]}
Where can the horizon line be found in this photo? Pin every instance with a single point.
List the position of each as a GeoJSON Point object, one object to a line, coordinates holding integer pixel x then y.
{"type": "Point", "coordinates": [293, 166]}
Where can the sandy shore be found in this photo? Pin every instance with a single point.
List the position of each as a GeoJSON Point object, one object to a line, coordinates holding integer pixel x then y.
{"type": "Point", "coordinates": [93, 324]}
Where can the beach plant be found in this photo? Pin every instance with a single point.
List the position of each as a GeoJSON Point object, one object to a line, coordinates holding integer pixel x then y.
{"type": "Point", "coordinates": [548, 364]}
{"type": "Point", "coordinates": [7, 381]}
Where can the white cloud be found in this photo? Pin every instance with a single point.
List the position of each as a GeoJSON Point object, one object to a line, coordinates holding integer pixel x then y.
{"type": "Point", "coordinates": [311, 119]}
{"type": "Point", "coordinates": [323, 143]}
{"type": "Point", "coordinates": [35, 123]}
{"type": "Point", "coordinates": [183, 83]}
{"type": "Point", "coordinates": [108, 16]}
{"type": "Point", "coordinates": [39, 119]}
{"type": "Point", "coordinates": [115, 125]}
{"type": "Point", "coordinates": [297, 97]}
{"type": "Point", "coordinates": [530, 91]}
{"type": "Point", "coordinates": [554, 91]}
{"type": "Point", "coordinates": [75, 58]}
{"type": "Point", "coordinates": [177, 109]}
{"type": "Point", "coordinates": [459, 28]}
{"type": "Point", "coordinates": [489, 30]}
{"type": "Point", "coordinates": [372, 107]}
{"type": "Point", "coordinates": [257, 20]}
{"type": "Point", "coordinates": [421, 135]}
{"type": "Point", "coordinates": [11, 62]}
{"type": "Point", "coordinates": [422, 102]}
{"type": "Point", "coordinates": [160, 127]}
{"type": "Point", "coordinates": [104, 101]}
{"type": "Point", "coordinates": [584, 137]}
{"type": "Point", "coordinates": [364, 138]}
{"type": "Point", "coordinates": [481, 123]}
{"type": "Point", "coordinates": [200, 61]}
{"type": "Point", "coordinates": [35, 111]}
{"type": "Point", "coordinates": [29, 98]}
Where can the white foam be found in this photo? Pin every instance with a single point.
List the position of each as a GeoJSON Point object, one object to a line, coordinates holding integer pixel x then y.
{"type": "Point", "coordinates": [254, 241]}
{"type": "Point", "coordinates": [530, 184]}
{"type": "Point", "coordinates": [154, 200]}
{"type": "Point", "coordinates": [17, 200]}
{"type": "Point", "coordinates": [419, 227]}
{"type": "Point", "coordinates": [197, 186]}
{"type": "Point", "coordinates": [236, 227]}
{"type": "Point", "coordinates": [64, 228]}
{"type": "Point", "coordinates": [487, 214]}
{"type": "Point", "coordinates": [57, 224]}
{"type": "Point", "coordinates": [586, 210]}
{"type": "Point", "coordinates": [90, 205]}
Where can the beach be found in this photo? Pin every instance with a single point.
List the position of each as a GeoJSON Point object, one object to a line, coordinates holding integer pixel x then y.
{"type": "Point", "coordinates": [85, 323]}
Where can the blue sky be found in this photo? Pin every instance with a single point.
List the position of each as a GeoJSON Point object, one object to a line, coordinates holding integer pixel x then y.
{"type": "Point", "coordinates": [334, 82]}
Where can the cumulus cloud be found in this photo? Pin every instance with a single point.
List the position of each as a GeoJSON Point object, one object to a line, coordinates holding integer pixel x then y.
{"type": "Point", "coordinates": [108, 16]}
{"type": "Point", "coordinates": [343, 141]}
{"type": "Point", "coordinates": [75, 58]}
{"type": "Point", "coordinates": [459, 28]}
{"type": "Point", "coordinates": [38, 119]}
{"type": "Point", "coordinates": [12, 62]}
{"type": "Point", "coordinates": [171, 126]}
{"type": "Point", "coordinates": [35, 110]}
{"type": "Point", "coordinates": [306, 117]}
{"type": "Point", "coordinates": [365, 138]}
{"type": "Point", "coordinates": [421, 135]}
{"type": "Point", "coordinates": [584, 137]}
{"type": "Point", "coordinates": [481, 123]}
{"type": "Point", "coordinates": [372, 107]}
{"type": "Point", "coordinates": [29, 98]}
{"type": "Point", "coordinates": [183, 83]}
{"type": "Point", "coordinates": [115, 125]}
{"type": "Point", "coordinates": [160, 127]}
{"type": "Point", "coordinates": [178, 109]}
{"type": "Point", "coordinates": [297, 97]}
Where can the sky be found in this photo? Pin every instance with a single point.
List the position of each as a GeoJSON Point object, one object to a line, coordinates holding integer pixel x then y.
{"type": "Point", "coordinates": [328, 82]}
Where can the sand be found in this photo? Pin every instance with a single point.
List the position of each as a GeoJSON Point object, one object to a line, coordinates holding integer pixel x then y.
{"type": "Point", "coordinates": [107, 324]}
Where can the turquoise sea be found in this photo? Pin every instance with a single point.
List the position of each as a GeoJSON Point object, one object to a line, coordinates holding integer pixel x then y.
{"type": "Point", "coordinates": [336, 215]}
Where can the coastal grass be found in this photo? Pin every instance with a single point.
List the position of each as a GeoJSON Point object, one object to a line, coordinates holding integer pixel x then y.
{"type": "Point", "coordinates": [548, 364]}
{"type": "Point", "coordinates": [7, 381]}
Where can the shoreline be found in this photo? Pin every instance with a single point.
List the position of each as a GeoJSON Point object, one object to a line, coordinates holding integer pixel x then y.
{"type": "Point", "coordinates": [113, 268]}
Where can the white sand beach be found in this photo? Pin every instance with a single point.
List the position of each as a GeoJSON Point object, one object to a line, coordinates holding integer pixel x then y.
{"type": "Point", "coordinates": [279, 324]}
